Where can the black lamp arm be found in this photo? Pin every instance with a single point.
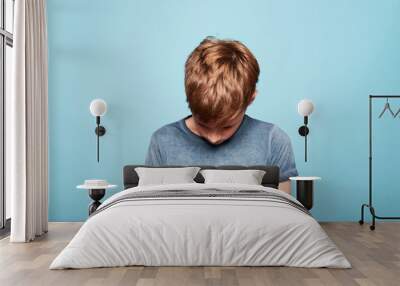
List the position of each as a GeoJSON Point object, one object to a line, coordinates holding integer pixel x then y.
{"type": "Point", "coordinates": [100, 131]}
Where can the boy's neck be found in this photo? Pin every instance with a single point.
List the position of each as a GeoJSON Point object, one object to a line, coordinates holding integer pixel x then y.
{"type": "Point", "coordinates": [213, 133]}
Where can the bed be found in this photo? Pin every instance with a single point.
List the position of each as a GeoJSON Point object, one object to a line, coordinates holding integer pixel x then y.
{"type": "Point", "coordinates": [199, 224]}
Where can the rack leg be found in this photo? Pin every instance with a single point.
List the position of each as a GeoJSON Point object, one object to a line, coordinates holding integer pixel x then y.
{"type": "Point", "coordinates": [361, 221]}
{"type": "Point", "coordinates": [372, 210]}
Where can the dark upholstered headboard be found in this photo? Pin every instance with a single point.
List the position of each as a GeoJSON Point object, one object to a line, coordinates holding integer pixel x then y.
{"type": "Point", "coordinates": [270, 179]}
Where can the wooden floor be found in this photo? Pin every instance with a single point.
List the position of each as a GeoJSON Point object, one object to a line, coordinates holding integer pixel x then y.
{"type": "Point", "coordinates": [375, 257]}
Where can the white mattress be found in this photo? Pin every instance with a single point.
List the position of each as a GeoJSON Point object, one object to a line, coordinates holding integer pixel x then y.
{"type": "Point", "coordinates": [191, 231]}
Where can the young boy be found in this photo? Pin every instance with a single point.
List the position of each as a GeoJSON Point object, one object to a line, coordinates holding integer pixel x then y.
{"type": "Point", "coordinates": [220, 83]}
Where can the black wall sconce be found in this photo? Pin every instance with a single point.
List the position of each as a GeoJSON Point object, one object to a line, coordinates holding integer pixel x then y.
{"type": "Point", "coordinates": [98, 108]}
{"type": "Point", "coordinates": [305, 108]}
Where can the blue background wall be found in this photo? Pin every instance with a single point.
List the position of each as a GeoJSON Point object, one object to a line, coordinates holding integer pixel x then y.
{"type": "Point", "coordinates": [132, 54]}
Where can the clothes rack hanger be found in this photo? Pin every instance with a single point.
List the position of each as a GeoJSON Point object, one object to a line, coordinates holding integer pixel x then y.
{"type": "Point", "coordinates": [387, 107]}
{"type": "Point", "coordinates": [397, 113]}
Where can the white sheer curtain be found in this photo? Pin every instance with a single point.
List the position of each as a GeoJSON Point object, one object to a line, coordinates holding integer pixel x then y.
{"type": "Point", "coordinates": [27, 157]}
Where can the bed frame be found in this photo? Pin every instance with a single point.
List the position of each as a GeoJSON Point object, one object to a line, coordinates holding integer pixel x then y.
{"type": "Point", "coordinates": [270, 179]}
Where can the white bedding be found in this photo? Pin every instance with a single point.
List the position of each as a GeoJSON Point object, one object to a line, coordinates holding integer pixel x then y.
{"type": "Point", "coordinates": [185, 231]}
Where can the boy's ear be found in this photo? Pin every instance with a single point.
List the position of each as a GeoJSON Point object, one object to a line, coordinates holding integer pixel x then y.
{"type": "Point", "coordinates": [253, 97]}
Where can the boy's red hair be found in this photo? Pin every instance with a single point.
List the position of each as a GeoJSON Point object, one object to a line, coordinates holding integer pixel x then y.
{"type": "Point", "coordinates": [220, 79]}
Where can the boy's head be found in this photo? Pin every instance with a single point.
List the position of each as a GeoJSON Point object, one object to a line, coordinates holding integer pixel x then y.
{"type": "Point", "coordinates": [220, 83]}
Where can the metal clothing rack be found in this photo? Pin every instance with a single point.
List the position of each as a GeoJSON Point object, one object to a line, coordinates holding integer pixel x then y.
{"type": "Point", "coordinates": [370, 203]}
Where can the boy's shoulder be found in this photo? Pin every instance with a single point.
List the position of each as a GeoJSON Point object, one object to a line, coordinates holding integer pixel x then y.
{"type": "Point", "coordinates": [272, 129]}
{"type": "Point", "coordinates": [169, 129]}
{"type": "Point", "coordinates": [253, 122]}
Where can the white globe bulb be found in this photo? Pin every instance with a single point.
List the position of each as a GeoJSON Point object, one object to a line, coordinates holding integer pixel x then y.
{"type": "Point", "coordinates": [305, 107]}
{"type": "Point", "coordinates": [98, 107]}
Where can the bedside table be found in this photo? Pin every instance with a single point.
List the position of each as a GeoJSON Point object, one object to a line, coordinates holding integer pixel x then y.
{"type": "Point", "coordinates": [305, 190]}
{"type": "Point", "coordinates": [97, 190]}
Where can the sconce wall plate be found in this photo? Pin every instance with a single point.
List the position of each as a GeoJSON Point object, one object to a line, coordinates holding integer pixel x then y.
{"type": "Point", "coordinates": [100, 131]}
{"type": "Point", "coordinates": [304, 131]}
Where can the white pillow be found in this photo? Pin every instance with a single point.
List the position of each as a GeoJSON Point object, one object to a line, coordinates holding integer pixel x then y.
{"type": "Point", "coordinates": [248, 177]}
{"type": "Point", "coordinates": [164, 176]}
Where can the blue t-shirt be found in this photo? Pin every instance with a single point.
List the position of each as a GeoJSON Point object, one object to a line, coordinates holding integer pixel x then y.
{"type": "Point", "coordinates": [254, 143]}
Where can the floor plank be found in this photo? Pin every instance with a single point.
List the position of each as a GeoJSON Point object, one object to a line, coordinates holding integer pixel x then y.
{"type": "Point", "coordinates": [375, 257]}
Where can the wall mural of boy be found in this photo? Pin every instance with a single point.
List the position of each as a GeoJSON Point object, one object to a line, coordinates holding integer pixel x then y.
{"type": "Point", "coordinates": [220, 83]}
